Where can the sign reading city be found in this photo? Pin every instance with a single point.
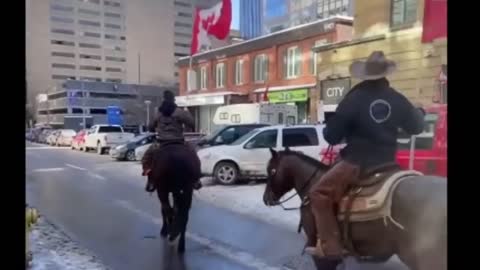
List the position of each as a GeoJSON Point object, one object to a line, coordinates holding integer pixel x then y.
{"type": "Point", "coordinates": [333, 91]}
{"type": "Point", "coordinates": [288, 96]}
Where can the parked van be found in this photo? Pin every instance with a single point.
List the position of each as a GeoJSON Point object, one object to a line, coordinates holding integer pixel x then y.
{"type": "Point", "coordinates": [256, 113]}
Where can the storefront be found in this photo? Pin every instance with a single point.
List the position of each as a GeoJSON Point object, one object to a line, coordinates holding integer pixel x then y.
{"type": "Point", "coordinates": [332, 91]}
{"type": "Point", "coordinates": [204, 106]}
{"type": "Point", "coordinates": [295, 95]}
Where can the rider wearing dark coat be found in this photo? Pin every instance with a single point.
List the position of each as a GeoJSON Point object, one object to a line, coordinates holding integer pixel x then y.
{"type": "Point", "coordinates": [368, 119]}
{"type": "Point", "coordinates": [169, 127]}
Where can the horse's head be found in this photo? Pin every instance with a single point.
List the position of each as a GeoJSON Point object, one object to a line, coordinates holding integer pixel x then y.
{"type": "Point", "coordinates": [279, 178]}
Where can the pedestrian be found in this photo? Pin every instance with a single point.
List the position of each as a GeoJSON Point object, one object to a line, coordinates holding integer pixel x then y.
{"type": "Point", "coordinates": [368, 119]}
{"type": "Point", "coordinates": [169, 127]}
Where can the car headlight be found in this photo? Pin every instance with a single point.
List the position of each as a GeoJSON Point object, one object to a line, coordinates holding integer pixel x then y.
{"type": "Point", "coordinates": [121, 147]}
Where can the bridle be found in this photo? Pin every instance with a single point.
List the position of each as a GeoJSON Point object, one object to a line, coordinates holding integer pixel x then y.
{"type": "Point", "coordinates": [280, 203]}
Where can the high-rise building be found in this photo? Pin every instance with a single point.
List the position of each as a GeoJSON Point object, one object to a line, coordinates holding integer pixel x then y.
{"type": "Point", "coordinates": [118, 41]}
{"type": "Point", "coordinates": [250, 18]}
{"type": "Point", "coordinates": [282, 14]}
{"type": "Point", "coordinates": [183, 27]}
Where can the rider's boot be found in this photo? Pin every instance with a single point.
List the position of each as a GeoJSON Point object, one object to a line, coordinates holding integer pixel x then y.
{"type": "Point", "coordinates": [197, 185]}
{"type": "Point", "coordinates": [323, 195]}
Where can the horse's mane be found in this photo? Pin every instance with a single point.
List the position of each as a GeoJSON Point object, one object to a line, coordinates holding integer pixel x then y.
{"type": "Point", "coordinates": [305, 158]}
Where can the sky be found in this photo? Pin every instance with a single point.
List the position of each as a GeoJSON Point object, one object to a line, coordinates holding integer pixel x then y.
{"type": "Point", "coordinates": [235, 14]}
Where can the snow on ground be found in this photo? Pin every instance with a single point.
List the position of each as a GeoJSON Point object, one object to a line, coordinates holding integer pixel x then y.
{"type": "Point", "coordinates": [247, 199]}
{"type": "Point", "coordinates": [54, 250]}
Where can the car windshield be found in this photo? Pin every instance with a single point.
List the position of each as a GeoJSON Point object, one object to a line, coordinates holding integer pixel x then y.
{"type": "Point", "coordinates": [109, 129]}
{"type": "Point", "coordinates": [68, 132]}
{"type": "Point", "coordinates": [424, 140]}
{"type": "Point", "coordinates": [138, 138]}
{"type": "Point", "coordinates": [245, 137]}
{"type": "Point", "coordinates": [214, 133]}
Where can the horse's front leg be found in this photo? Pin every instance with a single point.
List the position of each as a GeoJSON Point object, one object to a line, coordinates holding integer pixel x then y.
{"type": "Point", "coordinates": [167, 212]}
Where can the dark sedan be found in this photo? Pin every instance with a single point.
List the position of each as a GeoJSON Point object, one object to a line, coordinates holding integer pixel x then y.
{"type": "Point", "coordinates": [127, 151]}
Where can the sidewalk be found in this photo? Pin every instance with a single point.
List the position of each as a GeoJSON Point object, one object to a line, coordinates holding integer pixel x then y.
{"type": "Point", "coordinates": [53, 250]}
{"type": "Point", "coordinates": [247, 199]}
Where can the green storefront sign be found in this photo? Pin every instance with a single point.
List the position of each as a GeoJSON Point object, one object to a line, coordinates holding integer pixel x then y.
{"type": "Point", "coordinates": [288, 96]}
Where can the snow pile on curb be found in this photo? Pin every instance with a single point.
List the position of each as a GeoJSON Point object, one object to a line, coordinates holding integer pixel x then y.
{"type": "Point", "coordinates": [53, 250]}
{"type": "Point", "coordinates": [248, 200]}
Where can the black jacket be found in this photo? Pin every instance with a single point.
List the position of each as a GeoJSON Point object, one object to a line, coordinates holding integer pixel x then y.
{"type": "Point", "coordinates": [369, 119]}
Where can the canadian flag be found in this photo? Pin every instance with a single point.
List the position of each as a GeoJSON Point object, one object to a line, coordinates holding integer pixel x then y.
{"type": "Point", "coordinates": [214, 21]}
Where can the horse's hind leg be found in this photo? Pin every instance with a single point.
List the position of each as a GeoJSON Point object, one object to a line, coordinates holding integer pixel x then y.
{"type": "Point", "coordinates": [167, 212]}
{"type": "Point", "coordinates": [183, 202]}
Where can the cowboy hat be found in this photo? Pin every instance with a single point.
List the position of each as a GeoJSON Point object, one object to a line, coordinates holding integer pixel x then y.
{"type": "Point", "coordinates": [376, 67]}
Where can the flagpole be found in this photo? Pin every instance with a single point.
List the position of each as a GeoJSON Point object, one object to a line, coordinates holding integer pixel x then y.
{"type": "Point", "coordinates": [193, 2]}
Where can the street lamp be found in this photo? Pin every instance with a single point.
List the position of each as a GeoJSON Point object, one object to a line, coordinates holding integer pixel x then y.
{"type": "Point", "coordinates": [148, 102]}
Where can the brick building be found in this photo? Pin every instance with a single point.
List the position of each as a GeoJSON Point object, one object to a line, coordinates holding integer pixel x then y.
{"type": "Point", "coordinates": [239, 73]}
{"type": "Point", "coordinates": [398, 28]}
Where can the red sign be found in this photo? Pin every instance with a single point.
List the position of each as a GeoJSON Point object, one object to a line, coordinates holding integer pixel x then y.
{"type": "Point", "coordinates": [434, 20]}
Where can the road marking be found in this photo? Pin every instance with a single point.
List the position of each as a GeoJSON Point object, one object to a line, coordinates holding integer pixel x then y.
{"type": "Point", "coordinates": [98, 176]}
{"type": "Point", "coordinates": [48, 170]}
{"type": "Point", "coordinates": [240, 257]}
{"type": "Point", "coordinates": [75, 167]}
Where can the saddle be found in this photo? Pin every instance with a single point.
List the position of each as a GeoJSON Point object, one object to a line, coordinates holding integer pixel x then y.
{"type": "Point", "coordinates": [370, 198]}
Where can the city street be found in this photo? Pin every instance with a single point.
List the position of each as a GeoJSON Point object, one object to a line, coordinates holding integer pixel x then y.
{"type": "Point", "coordinates": [101, 204]}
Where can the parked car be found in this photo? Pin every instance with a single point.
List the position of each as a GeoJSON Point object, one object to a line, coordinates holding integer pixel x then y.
{"type": "Point", "coordinates": [227, 134]}
{"type": "Point", "coordinates": [127, 151]}
{"type": "Point", "coordinates": [430, 147]}
{"type": "Point", "coordinates": [105, 137]}
{"type": "Point", "coordinates": [140, 151]}
{"type": "Point", "coordinates": [248, 156]}
{"type": "Point", "coordinates": [65, 137]}
{"type": "Point", "coordinates": [38, 132]}
{"type": "Point", "coordinates": [79, 140]}
{"type": "Point", "coordinates": [52, 137]}
{"type": "Point", "coordinates": [42, 137]}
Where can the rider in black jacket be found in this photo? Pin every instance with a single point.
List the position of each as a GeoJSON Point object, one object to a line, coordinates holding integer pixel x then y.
{"type": "Point", "coordinates": [368, 119]}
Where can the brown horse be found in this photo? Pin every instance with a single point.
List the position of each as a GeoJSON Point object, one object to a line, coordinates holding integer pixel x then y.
{"type": "Point", "coordinates": [175, 168]}
{"type": "Point", "coordinates": [419, 205]}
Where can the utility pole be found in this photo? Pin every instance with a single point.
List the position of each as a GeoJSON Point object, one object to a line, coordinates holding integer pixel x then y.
{"type": "Point", "coordinates": [84, 113]}
{"type": "Point", "coordinates": [148, 102]}
{"type": "Point", "coordinates": [139, 81]}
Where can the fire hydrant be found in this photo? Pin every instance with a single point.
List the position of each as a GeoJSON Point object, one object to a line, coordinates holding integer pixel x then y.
{"type": "Point", "coordinates": [31, 217]}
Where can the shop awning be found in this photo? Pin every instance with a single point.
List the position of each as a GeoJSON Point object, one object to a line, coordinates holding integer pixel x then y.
{"type": "Point", "coordinates": [284, 88]}
{"type": "Point", "coordinates": [202, 99]}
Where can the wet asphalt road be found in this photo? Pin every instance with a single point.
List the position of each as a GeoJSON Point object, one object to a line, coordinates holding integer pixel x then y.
{"type": "Point", "coordinates": [102, 205]}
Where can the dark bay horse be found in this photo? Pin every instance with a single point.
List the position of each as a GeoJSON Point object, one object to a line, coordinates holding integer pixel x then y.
{"type": "Point", "coordinates": [419, 204]}
{"type": "Point", "coordinates": [175, 167]}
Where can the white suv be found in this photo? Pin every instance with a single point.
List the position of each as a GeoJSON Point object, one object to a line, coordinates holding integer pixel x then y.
{"type": "Point", "coordinates": [248, 156]}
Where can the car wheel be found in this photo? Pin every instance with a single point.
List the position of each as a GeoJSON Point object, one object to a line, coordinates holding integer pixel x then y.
{"type": "Point", "coordinates": [226, 173]}
{"type": "Point", "coordinates": [99, 149]}
{"type": "Point", "coordinates": [85, 148]}
{"type": "Point", "coordinates": [130, 155]}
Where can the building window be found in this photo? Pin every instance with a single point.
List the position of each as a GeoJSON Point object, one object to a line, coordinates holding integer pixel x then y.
{"type": "Point", "coordinates": [88, 56]}
{"type": "Point", "coordinates": [184, 14]}
{"type": "Point", "coordinates": [62, 77]}
{"type": "Point", "coordinates": [92, 79]}
{"type": "Point", "coordinates": [89, 12]}
{"type": "Point", "coordinates": [293, 62]}
{"type": "Point", "coordinates": [180, 24]}
{"type": "Point", "coordinates": [177, 34]}
{"type": "Point", "coordinates": [180, 54]}
{"type": "Point", "coordinates": [112, 69]}
{"type": "Point", "coordinates": [404, 12]}
{"type": "Point", "coordinates": [62, 43]}
{"type": "Point", "coordinates": [86, 45]}
{"type": "Point", "coordinates": [113, 26]}
{"type": "Point", "coordinates": [203, 78]}
{"type": "Point", "coordinates": [114, 80]}
{"type": "Point", "coordinates": [111, 3]}
{"type": "Point", "coordinates": [63, 31]}
{"type": "Point", "coordinates": [183, 45]}
{"type": "Point", "coordinates": [63, 54]}
{"type": "Point", "coordinates": [314, 56]}
{"type": "Point", "coordinates": [112, 15]}
{"type": "Point", "coordinates": [239, 72]}
{"type": "Point", "coordinates": [115, 59]}
{"type": "Point", "coordinates": [88, 23]}
{"type": "Point", "coordinates": [91, 34]}
{"type": "Point", "coordinates": [67, 66]}
{"type": "Point", "coordinates": [91, 1]}
{"type": "Point", "coordinates": [61, 20]}
{"type": "Point", "coordinates": [61, 8]}
{"type": "Point", "coordinates": [261, 68]}
{"type": "Point", "coordinates": [191, 80]}
{"type": "Point", "coordinates": [220, 75]}
{"type": "Point", "coordinates": [181, 4]}
{"type": "Point", "coordinates": [90, 68]}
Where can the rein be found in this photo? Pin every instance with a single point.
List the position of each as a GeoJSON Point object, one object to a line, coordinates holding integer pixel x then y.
{"type": "Point", "coordinates": [302, 189]}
